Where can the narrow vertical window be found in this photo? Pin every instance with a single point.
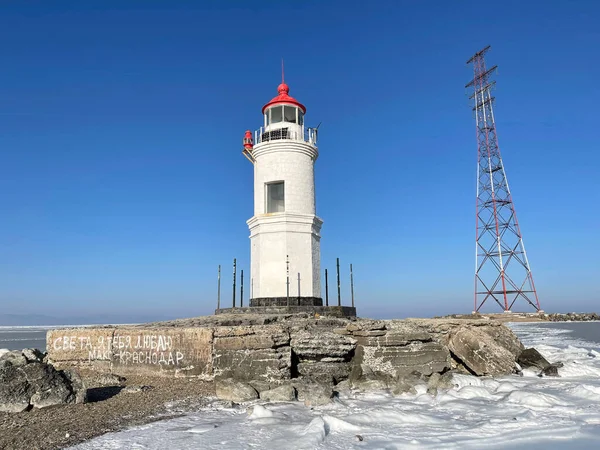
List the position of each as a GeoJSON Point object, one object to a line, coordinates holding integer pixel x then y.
{"type": "Point", "coordinates": [275, 197]}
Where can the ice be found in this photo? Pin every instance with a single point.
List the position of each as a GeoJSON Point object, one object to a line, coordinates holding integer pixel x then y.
{"type": "Point", "coordinates": [514, 412]}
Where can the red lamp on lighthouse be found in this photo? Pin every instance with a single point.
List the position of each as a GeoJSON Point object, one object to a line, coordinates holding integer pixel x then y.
{"type": "Point", "coordinates": [248, 146]}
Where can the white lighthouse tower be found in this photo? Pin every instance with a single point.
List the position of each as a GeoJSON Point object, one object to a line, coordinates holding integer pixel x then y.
{"type": "Point", "coordinates": [285, 230]}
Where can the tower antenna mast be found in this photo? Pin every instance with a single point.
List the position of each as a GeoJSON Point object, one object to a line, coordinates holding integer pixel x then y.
{"type": "Point", "coordinates": [502, 271]}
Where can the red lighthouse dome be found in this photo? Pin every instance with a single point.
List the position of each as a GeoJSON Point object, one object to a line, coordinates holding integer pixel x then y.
{"type": "Point", "coordinates": [284, 98]}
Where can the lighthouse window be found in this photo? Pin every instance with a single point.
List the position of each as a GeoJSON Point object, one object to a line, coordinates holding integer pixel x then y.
{"type": "Point", "coordinates": [289, 114]}
{"type": "Point", "coordinates": [276, 114]}
{"type": "Point", "coordinates": [300, 118]}
{"type": "Point", "coordinates": [275, 197]}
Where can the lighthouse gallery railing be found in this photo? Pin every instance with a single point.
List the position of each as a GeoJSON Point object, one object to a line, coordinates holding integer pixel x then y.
{"type": "Point", "coordinates": [306, 135]}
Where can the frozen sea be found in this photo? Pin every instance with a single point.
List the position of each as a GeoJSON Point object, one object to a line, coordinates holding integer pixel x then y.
{"type": "Point", "coordinates": [512, 412]}
{"type": "Point", "coordinates": [18, 338]}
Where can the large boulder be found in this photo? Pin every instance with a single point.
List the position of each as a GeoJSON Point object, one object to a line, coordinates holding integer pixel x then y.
{"type": "Point", "coordinates": [259, 353]}
{"type": "Point", "coordinates": [314, 394]}
{"type": "Point", "coordinates": [235, 391]}
{"type": "Point", "coordinates": [530, 357]}
{"type": "Point", "coordinates": [32, 383]}
{"type": "Point", "coordinates": [396, 355]}
{"type": "Point", "coordinates": [480, 352]}
{"type": "Point", "coordinates": [15, 357]}
{"type": "Point", "coordinates": [284, 393]}
{"type": "Point", "coordinates": [33, 355]}
{"type": "Point", "coordinates": [15, 392]}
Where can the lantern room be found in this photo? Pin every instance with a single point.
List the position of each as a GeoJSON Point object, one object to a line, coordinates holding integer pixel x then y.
{"type": "Point", "coordinates": [283, 116]}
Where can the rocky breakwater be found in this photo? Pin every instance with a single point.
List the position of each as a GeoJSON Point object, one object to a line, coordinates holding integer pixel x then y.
{"type": "Point", "coordinates": [286, 357]}
{"type": "Point", "coordinates": [27, 381]}
{"type": "Point", "coordinates": [310, 360]}
{"type": "Point", "coordinates": [571, 317]}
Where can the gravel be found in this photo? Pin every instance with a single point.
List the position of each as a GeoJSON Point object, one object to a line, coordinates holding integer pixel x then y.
{"type": "Point", "coordinates": [110, 408]}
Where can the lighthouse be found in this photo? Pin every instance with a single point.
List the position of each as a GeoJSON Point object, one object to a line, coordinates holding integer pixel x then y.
{"type": "Point", "coordinates": [285, 231]}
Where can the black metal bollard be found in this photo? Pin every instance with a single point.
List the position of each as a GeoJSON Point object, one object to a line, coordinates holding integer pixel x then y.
{"type": "Point", "coordinates": [234, 268]}
{"type": "Point", "coordinates": [219, 288]}
{"type": "Point", "coordinates": [326, 290]}
{"type": "Point", "coordinates": [338, 283]}
{"type": "Point", "coordinates": [352, 285]}
{"type": "Point", "coordinates": [287, 263]}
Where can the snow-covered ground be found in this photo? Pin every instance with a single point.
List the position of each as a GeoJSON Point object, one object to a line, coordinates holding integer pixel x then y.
{"type": "Point", "coordinates": [510, 412]}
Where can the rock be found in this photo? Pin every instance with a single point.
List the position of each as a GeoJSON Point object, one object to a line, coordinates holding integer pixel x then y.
{"type": "Point", "coordinates": [368, 333]}
{"type": "Point", "coordinates": [343, 387]}
{"type": "Point", "coordinates": [314, 394]}
{"type": "Point", "coordinates": [458, 367]}
{"type": "Point", "coordinates": [446, 381]}
{"type": "Point", "coordinates": [77, 385]}
{"type": "Point", "coordinates": [325, 372]}
{"type": "Point", "coordinates": [235, 391]}
{"type": "Point", "coordinates": [259, 353]}
{"type": "Point", "coordinates": [317, 395]}
{"type": "Point", "coordinates": [37, 385]}
{"type": "Point", "coordinates": [572, 317]}
{"type": "Point", "coordinates": [109, 379]}
{"type": "Point", "coordinates": [50, 386]}
{"type": "Point", "coordinates": [316, 344]}
{"type": "Point", "coordinates": [15, 391]}
{"type": "Point", "coordinates": [434, 380]}
{"type": "Point", "coordinates": [261, 385]}
{"type": "Point", "coordinates": [285, 393]}
{"type": "Point", "coordinates": [551, 370]}
{"type": "Point", "coordinates": [403, 387]}
{"type": "Point", "coordinates": [370, 385]}
{"type": "Point", "coordinates": [33, 355]}
{"type": "Point", "coordinates": [397, 355]}
{"type": "Point", "coordinates": [136, 389]}
{"type": "Point", "coordinates": [343, 331]}
{"type": "Point", "coordinates": [530, 357]}
{"type": "Point", "coordinates": [250, 338]}
{"type": "Point", "coordinates": [270, 366]}
{"type": "Point", "coordinates": [15, 357]}
{"type": "Point", "coordinates": [506, 338]}
{"type": "Point", "coordinates": [407, 382]}
{"type": "Point", "coordinates": [366, 325]}
{"type": "Point", "coordinates": [479, 352]}
{"type": "Point", "coordinates": [393, 339]}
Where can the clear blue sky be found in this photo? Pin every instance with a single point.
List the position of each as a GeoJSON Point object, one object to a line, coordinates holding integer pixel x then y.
{"type": "Point", "coordinates": [123, 185]}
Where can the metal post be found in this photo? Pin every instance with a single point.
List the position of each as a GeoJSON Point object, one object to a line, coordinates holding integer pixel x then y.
{"type": "Point", "coordinates": [338, 282]}
{"type": "Point", "coordinates": [219, 288]}
{"type": "Point", "coordinates": [234, 282]}
{"type": "Point", "coordinates": [326, 290]}
{"type": "Point", "coordinates": [298, 286]}
{"type": "Point", "coordinates": [352, 285]}
{"type": "Point", "coordinates": [287, 264]}
{"type": "Point", "coordinates": [242, 289]}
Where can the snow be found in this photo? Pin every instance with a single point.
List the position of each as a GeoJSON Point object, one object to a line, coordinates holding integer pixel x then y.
{"type": "Point", "coordinates": [478, 413]}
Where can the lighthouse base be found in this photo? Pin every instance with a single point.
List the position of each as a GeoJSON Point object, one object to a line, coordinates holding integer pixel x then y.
{"type": "Point", "coordinates": [283, 301]}
{"type": "Point", "coordinates": [331, 311]}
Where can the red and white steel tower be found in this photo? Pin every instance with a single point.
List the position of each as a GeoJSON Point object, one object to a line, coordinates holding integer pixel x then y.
{"type": "Point", "coordinates": [502, 271]}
